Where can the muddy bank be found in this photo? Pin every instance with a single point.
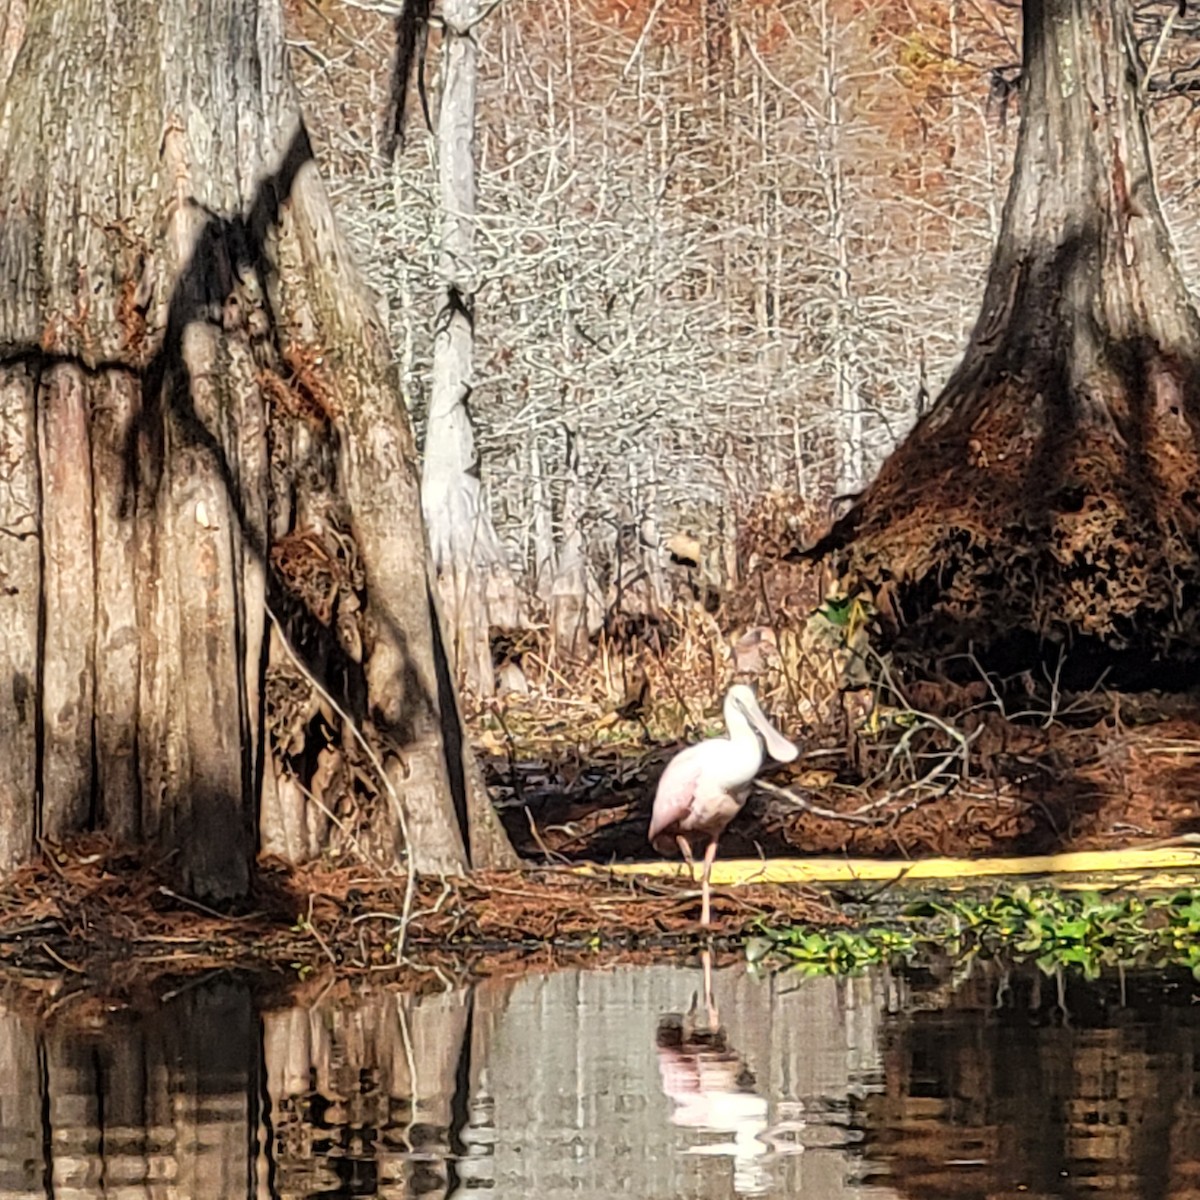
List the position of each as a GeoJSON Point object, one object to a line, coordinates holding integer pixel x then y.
{"type": "Point", "coordinates": [1103, 773]}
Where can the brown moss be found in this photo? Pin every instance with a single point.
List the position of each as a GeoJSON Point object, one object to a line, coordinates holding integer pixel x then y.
{"type": "Point", "coordinates": [1003, 518]}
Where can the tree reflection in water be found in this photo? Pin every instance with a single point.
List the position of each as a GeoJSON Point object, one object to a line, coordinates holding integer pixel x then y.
{"type": "Point", "coordinates": [594, 1083]}
{"type": "Point", "coordinates": [1019, 1083]}
{"type": "Point", "coordinates": [547, 1085]}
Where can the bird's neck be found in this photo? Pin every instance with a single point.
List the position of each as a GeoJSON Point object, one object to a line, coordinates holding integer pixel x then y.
{"type": "Point", "coordinates": [743, 756]}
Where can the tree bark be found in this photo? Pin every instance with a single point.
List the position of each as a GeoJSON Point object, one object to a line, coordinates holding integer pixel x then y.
{"type": "Point", "coordinates": [476, 584]}
{"type": "Point", "coordinates": [1051, 494]}
{"type": "Point", "coordinates": [193, 381]}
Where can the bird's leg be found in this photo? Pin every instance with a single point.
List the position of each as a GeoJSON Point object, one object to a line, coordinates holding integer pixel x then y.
{"type": "Point", "coordinates": [685, 848]}
{"type": "Point", "coordinates": [710, 853]}
{"type": "Point", "coordinates": [714, 1020]}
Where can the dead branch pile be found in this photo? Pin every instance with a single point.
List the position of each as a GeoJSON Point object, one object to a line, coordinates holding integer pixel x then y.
{"type": "Point", "coordinates": [1084, 776]}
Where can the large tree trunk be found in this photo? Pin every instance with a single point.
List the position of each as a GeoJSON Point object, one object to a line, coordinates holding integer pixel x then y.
{"type": "Point", "coordinates": [1051, 495]}
{"type": "Point", "coordinates": [476, 584]}
{"type": "Point", "coordinates": [200, 429]}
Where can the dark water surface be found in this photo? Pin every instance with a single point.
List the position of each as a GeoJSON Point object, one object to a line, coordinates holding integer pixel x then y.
{"type": "Point", "coordinates": [602, 1083]}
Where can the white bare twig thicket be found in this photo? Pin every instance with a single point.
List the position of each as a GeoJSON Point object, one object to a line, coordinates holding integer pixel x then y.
{"type": "Point", "coordinates": [721, 248]}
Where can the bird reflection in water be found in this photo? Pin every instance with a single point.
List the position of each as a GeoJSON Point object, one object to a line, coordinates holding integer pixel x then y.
{"type": "Point", "coordinates": [712, 1088]}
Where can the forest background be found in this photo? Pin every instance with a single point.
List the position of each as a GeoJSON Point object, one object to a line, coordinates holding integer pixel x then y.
{"type": "Point", "coordinates": [694, 270]}
{"type": "Point", "coordinates": [727, 249]}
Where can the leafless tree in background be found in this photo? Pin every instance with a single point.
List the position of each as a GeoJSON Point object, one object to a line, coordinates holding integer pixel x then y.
{"type": "Point", "coordinates": [477, 588]}
{"type": "Point", "coordinates": [724, 248]}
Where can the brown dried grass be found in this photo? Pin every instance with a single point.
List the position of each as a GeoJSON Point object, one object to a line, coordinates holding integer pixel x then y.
{"type": "Point", "coordinates": [663, 676]}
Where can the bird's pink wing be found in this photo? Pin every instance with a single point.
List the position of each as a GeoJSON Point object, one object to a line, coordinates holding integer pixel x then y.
{"type": "Point", "coordinates": [676, 790]}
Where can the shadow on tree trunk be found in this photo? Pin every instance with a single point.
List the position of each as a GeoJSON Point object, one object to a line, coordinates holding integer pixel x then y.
{"type": "Point", "coordinates": [210, 480]}
{"type": "Point", "coordinates": [1047, 504]}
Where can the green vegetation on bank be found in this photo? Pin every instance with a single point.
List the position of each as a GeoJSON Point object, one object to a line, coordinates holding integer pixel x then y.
{"type": "Point", "coordinates": [1082, 930]}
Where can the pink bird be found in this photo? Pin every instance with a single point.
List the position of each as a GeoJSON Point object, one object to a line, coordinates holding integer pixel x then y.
{"type": "Point", "coordinates": [705, 786]}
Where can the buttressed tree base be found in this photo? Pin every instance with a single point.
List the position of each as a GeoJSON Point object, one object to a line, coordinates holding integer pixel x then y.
{"type": "Point", "coordinates": [1050, 500]}
{"type": "Point", "coordinates": [209, 487]}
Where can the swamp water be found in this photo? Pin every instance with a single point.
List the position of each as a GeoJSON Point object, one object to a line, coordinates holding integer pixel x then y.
{"type": "Point", "coordinates": [595, 1083]}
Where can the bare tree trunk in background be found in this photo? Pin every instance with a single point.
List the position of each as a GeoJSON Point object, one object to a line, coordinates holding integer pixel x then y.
{"type": "Point", "coordinates": [1050, 495]}
{"type": "Point", "coordinates": [201, 425]}
{"type": "Point", "coordinates": [574, 604]}
{"type": "Point", "coordinates": [477, 587]}
{"type": "Point", "coordinates": [843, 323]}
{"type": "Point", "coordinates": [544, 556]}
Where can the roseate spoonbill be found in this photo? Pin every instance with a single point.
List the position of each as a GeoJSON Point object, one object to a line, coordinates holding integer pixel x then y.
{"type": "Point", "coordinates": [705, 786]}
{"type": "Point", "coordinates": [712, 1090]}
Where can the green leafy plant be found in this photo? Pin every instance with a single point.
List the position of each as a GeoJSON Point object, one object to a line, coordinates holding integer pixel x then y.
{"type": "Point", "coordinates": [842, 951]}
{"type": "Point", "coordinates": [845, 612]}
{"type": "Point", "coordinates": [1080, 930]}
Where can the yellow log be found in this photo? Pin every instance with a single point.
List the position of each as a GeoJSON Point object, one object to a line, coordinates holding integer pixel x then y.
{"type": "Point", "coordinates": [1163, 867]}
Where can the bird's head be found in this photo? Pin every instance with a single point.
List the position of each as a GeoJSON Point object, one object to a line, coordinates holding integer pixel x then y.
{"type": "Point", "coordinates": [742, 712]}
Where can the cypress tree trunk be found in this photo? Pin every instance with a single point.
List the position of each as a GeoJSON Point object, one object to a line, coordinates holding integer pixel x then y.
{"type": "Point", "coordinates": [1051, 494]}
{"type": "Point", "coordinates": [200, 427]}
